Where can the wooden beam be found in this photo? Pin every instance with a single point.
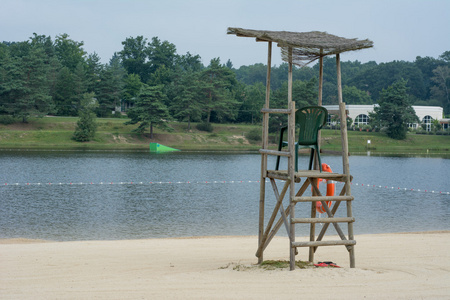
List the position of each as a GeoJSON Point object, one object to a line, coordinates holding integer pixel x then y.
{"type": "Point", "coordinates": [323, 198]}
{"type": "Point", "coordinates": [274, 152]}
{"type": "Point", "coordinates": [291, 160]}
{"type": "Point", "coordinates": [265, 145]}
{"type": "Point", "coordinates": [274, 214]}
{"type": "Point", "coordinates": [324, 243]}
{"type": "Point", "coordinates": [323, 220]}
{"type": "Point", "coordinates": [276, 110]}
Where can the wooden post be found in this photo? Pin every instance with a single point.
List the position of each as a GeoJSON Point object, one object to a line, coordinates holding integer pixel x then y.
{"type": "Point", "coordinates": [265, 143]}
{"type": "Point", "coordinates": [312, 231]}
{"type": "Point", "coordinates": [345, 162]}
{"type": "Point", "coordinates": [319, 102]}
{"type": "Point", "coordinates": [291, 166]}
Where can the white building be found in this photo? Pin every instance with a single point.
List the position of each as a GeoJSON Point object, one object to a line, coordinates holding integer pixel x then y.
{"type": "Point", "coordinates": [360, 114]}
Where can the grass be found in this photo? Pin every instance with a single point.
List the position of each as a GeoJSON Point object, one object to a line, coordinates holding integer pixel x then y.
{"type": "Point", "coordinates": [113, 134]}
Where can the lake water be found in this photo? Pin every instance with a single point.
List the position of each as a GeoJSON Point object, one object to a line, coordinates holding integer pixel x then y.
{"type": "Point", "coordinates": [122, 195]}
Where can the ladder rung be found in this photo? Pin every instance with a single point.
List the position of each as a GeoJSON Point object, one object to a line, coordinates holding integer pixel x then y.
{"type": "Point", "coordinates": [323, 198]}
{"type": "Point", "coordinates": [324, 243]}
{"type": "Point", "coordinates": [276, 110]}
{"type": "Point", "coordinates": [274, 152]}
{"type": "Point", "coordinates": [323, 220]}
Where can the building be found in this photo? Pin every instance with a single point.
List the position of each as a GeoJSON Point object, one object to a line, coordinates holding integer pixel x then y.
{"type": "Point", "coordinates": [360, 115]}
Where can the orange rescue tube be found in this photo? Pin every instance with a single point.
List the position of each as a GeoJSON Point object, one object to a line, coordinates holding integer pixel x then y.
{"type": "Point", "coordinates": [330, 189]}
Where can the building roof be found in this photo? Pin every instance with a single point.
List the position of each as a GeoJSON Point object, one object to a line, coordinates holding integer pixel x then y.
{"type": "Point", "coordinates": [306, 46]}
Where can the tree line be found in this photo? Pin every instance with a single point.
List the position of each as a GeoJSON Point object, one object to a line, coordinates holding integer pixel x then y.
{"type": "Point", "coordinates": [153, 83]}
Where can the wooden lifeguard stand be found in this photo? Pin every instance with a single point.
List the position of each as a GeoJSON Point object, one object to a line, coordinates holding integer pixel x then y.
{"type": "Point", "coordinates": [301, 49]}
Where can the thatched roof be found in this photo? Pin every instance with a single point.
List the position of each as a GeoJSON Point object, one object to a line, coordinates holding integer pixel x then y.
{"type": "Point", "coordinates": [306, 46]}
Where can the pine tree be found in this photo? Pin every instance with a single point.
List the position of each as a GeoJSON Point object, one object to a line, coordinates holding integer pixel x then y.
{"type": "Point", "coordinates": [86, 125]}
{"type": "Point", "coordinates": [187, 101]}
{"type": "Point", "coordinates": [27, 88]}
{"type": "Point", "coordinates": [394, 111]}
{"type": "Point", "coordinates": [149, 110]}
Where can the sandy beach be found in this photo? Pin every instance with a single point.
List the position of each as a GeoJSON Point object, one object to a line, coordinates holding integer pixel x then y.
{"type": "Point", "coordinates": [388, 266]}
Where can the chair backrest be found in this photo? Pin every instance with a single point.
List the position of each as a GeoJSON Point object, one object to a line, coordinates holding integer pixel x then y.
{"type": "Point", "coordinates": [310, 120]}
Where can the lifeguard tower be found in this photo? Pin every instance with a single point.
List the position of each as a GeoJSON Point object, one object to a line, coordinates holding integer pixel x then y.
{"type": "Point", "coordinates": [301, 49]}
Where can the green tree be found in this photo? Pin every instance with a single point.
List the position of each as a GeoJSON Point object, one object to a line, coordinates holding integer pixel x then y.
{"type": "Point", "coordinates": [394, 111]}
{"type": "Point", "coordinates": [149, 110]}
{"type": "Point", "coordinates": [445, 56]}
{"type": "Point", "coordinates": [304, 93]}
{"type": "Point", "coordinates": [86, 124]}
{"type": "Point", "coordinates": [11, 80]}
{"type": "Point", "coordinates": [93, 70]}
{"type": "Point", "coordinates": [253, 99]}
{"type": "Point", "coordinates": [64, 94]}
{"type": "Point", "coordinates": [353, 95]}
{"type": "Point", "coordinates": [379, 77]}
{"type": "Point", "coordinates": [161, 54]}
{"type": "Point", "coordinates": [218, 84]}
{"type": "Point", "coordinates": [109, 89]}
{"type": "Point", "coordinates": [134, 56]}
{"type": "Point", "coordinates": [69, 52]}
{"type": "Point", "coordinates": [187, 104]}
{"type": "Point", "coordinates": [189, 62]}
{"type": "Point", "coordinates": [80, 84]}
{"type": "Point", "coordinates": [132, 86]}
{"type": "Point", "coordinates": [24, 88]}
{"type": "Point", "coordinates": [441, 91]}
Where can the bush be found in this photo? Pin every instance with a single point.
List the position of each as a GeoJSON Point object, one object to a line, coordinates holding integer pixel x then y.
{"type": "Point", "coordinates": [367, 127]}
{"type": "Point", "coordinates": [6, 120]}
{"type": "Point", "coordinates": [86, 127]}
{"type": "Point", "coordinates": [205, 127]}
{"type": "Point", "coordinates": [254, 135]}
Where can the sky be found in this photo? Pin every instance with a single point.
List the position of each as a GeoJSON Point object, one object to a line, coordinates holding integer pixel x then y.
{"type": "Point", "coordinates": [400, 29]}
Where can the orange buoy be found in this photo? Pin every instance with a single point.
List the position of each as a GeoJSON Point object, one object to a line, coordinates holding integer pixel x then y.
{"type": "Point", "coordinates": [330, 189]}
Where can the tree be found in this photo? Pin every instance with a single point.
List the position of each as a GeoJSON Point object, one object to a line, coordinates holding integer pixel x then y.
{"type": "Point", "coordinates": [189, 62]}
{"type": "Point", "coordinates": [218, 83]}
{"type": "Point", "coordinates": [162, 58]}
{"type": "Point", "coordinates": [69, 52]}
{"type": "Point", "coordinates": [132, 86]}
{"type": "Point", "coordinates": [80, 84]}
{"type": "Point", "coordinates": [304, 93]}
{"type": "Point", "coordinates": [63, 94]}
{"type": "Point", "coordinates": [187, 104]}
{"type": "Point", "coordinates": [93, 70]}
{"type": "Point", "coordinates": [11, 81]}
{"type": "Point", "coordinates": [109, 89]}
{"type": "Point", "coordinates": [353, 95]}
{"type": "Point", "coordinates": [161, 54]}
{"type": "Point", "coordinates": [149, 110]}
{"type": "Point", "coordinates": [86, 125]}
{"type": "Point", "coordinates": [253, 99]}
{"type": "Point", "coordinates": [441, 91]}
{"type": "Point", "coordinates": [379, 77]}
{"type": "Point", "coordinates": [134, 57]}
{"type": "Point", "coordinates": [395, 111]}
{"type": "Point", "coordinates": [24, 88]}
{"type": "Point", "coordinates": [445, 56]}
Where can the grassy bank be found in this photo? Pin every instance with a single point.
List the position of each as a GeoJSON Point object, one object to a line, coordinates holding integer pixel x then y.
{"type": "Point", "coordinates": [54, 133]}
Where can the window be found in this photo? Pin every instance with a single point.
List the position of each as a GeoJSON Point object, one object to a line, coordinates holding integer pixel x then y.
{"type": "Point", "coordinates": [361, 119]}
{"type": "Point", "coordinates": [427, 122]}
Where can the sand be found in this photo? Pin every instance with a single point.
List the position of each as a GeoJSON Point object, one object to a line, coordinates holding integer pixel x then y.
{"type": "Point", "coordinates": [388, 266]}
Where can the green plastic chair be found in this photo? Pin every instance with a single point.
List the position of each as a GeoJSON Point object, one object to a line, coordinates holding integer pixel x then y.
{"type": "Point", "coordinates": [310, 120]}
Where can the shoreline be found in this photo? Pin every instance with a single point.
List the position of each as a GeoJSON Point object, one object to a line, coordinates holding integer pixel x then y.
{"type": "Point", "coordinates": [412, 265]}
{"type": "Point", "coordinates": [21, 240]}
